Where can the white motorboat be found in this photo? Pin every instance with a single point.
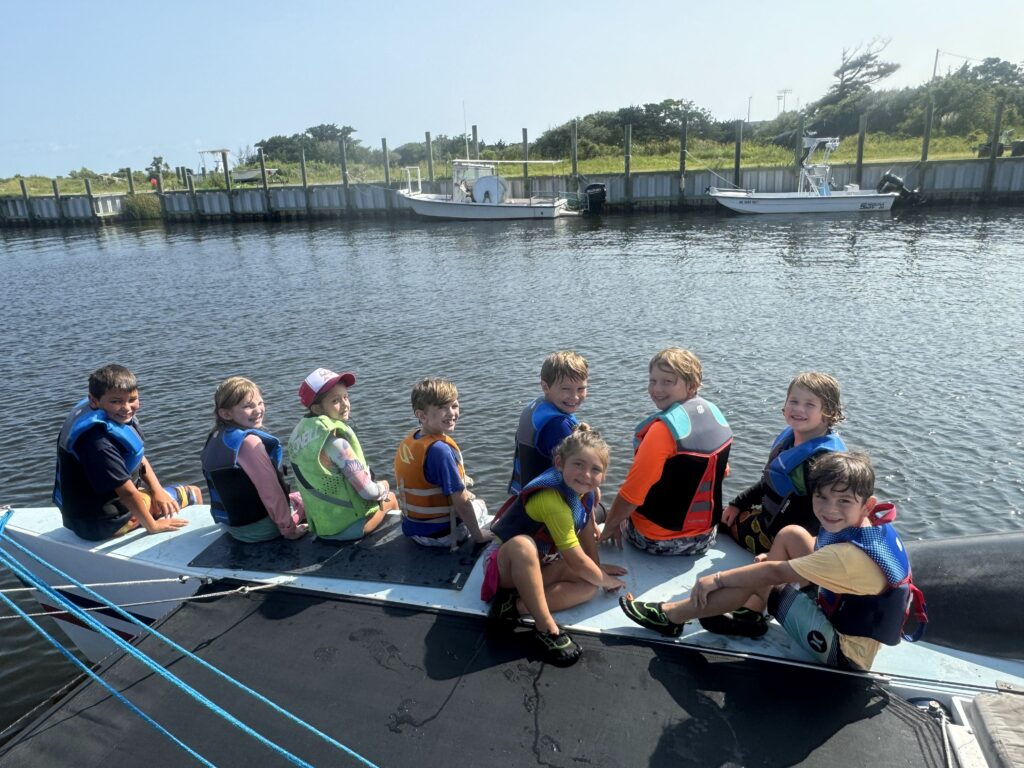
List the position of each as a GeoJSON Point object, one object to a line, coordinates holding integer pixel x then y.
{"type": "Point", "coordinates": [479, 192]}
{"type": "Point", "coordinates": [151, 576]}
{"type": "Point", "coordinates": [815, 191]}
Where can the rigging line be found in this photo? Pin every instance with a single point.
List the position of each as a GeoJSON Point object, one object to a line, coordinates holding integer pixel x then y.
{"type": "Point", "coordinates": [103, 683]}
{"type": "Point", "coordinates": [177, 579]}
{"type": "Point", "coordinates": [23, 573]}
{"type": "Point", "coordinates": [185, 652]}
{"type": "Point", "coordinates": [243, 590]}
{"type": "Point", "coordinates": [711, 171]}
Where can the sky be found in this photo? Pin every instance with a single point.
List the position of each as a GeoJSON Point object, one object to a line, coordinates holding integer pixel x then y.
{"type": "Point", "coordinates": [112, 84]}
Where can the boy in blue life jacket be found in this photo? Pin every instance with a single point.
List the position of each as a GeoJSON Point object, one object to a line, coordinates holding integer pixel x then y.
{"type": "Point", "coordinates": [550, 418]}
{"type": "Point", "coordinates": [438, 509]}
{"type": "Point", "coordinates": [105, 486]}
{"type": "Point", "coordinates": [858, 563]}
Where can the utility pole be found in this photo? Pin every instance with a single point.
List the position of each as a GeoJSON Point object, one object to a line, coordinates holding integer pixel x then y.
{"type": "Point", "coordinates": [749, 99]}
{"type": "Point", "coordinates": [781, 96]}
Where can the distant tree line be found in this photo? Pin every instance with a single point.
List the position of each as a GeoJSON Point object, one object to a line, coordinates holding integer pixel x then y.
{"type": "Point", "coordinates": [964, 104]}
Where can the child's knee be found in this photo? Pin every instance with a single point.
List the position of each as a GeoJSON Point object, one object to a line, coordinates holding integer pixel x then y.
{"type": "Point", "coordinates": [791, 541]}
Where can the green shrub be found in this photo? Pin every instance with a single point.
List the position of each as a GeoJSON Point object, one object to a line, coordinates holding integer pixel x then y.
{"type": "Point", "coordinates": [140, 207]}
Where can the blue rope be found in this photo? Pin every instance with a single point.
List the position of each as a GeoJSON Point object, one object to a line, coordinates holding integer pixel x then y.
{"type": "Point", "coordinates": [74, 610]}
{"type": "Point", "coordinates": [109, 688]}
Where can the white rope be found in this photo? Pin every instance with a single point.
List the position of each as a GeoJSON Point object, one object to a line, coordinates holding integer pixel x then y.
{"type": "Point", "coordinates": [712, 172]}
{"type": "Point", "coordinates": [243, 590]}
{"type": "Point", "coordinates": [177, 580]}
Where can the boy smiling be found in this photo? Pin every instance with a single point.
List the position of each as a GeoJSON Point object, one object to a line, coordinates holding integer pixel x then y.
{"type": "Point", "coordinates": [438, 509]}
{"type": "Point", "coordinates": [104, 485]}
{"type": "Point", "coordinates": [858, 563]}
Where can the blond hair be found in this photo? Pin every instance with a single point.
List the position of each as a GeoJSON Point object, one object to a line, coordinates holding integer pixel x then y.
{"type": "Point", "coordinates": [433, 392]}
{"type": "Point", "coordinates": [826, 389]}
{"type": "Point", "coordinates": [566, 364]}
{"type": "Point", "coordinates": [583, 438]}
{"type": "Point", "coordinates": [682, 362]}
{"type": "Point", "coordinates": [231, 392]}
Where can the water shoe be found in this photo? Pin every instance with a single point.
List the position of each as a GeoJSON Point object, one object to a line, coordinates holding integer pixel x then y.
{"type": "Point", "coordinates": [559, 650]}
{"type": "Point", "coordinates": [742, 622]}
{"type": "Point", "coordinates": [503, 614]}
{"type": "Point", "coordinates": [650, 616]}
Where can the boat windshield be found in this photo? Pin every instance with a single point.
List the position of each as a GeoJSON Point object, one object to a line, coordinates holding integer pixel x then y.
{"type": "Point", "coordinates": [470, 172]}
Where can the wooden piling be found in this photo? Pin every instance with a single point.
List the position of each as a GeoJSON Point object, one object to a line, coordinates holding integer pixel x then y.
{"type": "Point", "coordinates": [160, 194]}
{"type": "Point", "coordinates": [227, 183]}
{"type": "Point", "coordinates": [57, 200]}
{"type": "Point", "coordinates": [736, 156]}
{"type": "Point", "coordinates": [990, 175]}
{"type": "Point", "coordinates": [430, 160]}
{"type": "Point", "coordinates": [193, 199]}
{"type": "Point", "coordinates": [263, 180]}
{"type": "Point", "coordinates": [131, 183]}
{"type": "Point", "coordinates": [929, 114]}
{"type": "Point", "coordinates": [574, 136]}
{"type": "Point", "coordinates": [305, 185]}
{"type": "Point", "coordinates": [683, 126]}
{"type": "Point", "coordinates": [387, 174]}
{"type": "Point", "coordinates": [28, 203]}
{"type": "Point", "coordinates": [862, 131]}
{"type": "Point", "coordinates": [92, 202]}
{"type": "Point", "coordinates": [344, 173]}
{"type": "Point", "coordinates": [526, 168]}
{"type": "Point", "coordinates": [627, 158]}
{"type": "Point", "coordinates": [476, 144]}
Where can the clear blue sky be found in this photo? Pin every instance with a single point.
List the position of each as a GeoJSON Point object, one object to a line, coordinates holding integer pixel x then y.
{"type": "Point", "coordinates": [109, 84]}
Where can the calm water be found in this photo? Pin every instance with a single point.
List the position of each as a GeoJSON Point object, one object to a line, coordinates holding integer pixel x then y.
{"type": "Point", "coordinates": [918, 316]}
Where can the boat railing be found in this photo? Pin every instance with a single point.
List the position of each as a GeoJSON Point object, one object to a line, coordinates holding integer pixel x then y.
{"type": "Point", "coordinates": [408, 179]}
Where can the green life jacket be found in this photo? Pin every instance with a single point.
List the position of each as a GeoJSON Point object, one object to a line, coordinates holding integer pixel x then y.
{"type": "Point", "coordinates": [332, 504]}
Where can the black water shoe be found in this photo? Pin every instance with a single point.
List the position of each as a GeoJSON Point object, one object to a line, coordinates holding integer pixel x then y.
{"type": "Point", "coordinates": [742, 623]}
{"type": "Point", "coordinates": [650, 616]}
{"type": "Point", "coordinates": [559, 650]}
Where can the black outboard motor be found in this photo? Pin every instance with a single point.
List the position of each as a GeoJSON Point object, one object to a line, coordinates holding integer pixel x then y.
{"type": "Point", "coordinates": [890, 182]}
{"type": "Point", "coordinates": [596, 195]}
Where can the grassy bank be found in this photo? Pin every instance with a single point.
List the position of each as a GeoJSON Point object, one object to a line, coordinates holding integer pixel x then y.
{"type": "Point", "coordinates": [879, 148]}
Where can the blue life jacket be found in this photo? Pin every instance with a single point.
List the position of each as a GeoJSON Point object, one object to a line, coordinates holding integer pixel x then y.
{"type": "Point", "coordinates": [529, 461]}
{"type": "Point", "coordinates": [83, 417]}
{"type": "Point", "coordinates": [234, 499]}
{"type": "Point", "coordinates": [784, 460]}
{"type": "Point", "coordinates": [882, 616]}
{"type": "Point", "coordinates": [512, 519]}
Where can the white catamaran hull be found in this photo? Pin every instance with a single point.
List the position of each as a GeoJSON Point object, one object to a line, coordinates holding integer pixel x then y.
{"type": "Point", "coordinates": [745, 201]}
{"type": "Point", "coordinates": [444, 207]}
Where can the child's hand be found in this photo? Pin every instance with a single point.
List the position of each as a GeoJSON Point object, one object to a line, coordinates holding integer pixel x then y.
{"type": "Point", "coordinates": [613, 570]}
{"type": "Point", "coordinates": [300, 530]}
{"type": "Point", "coordinates": [705, 585]}
{"type": "Point", "coordinates": [612, 534]}
{"type": "Point", "coordinates": [611, 584]}
{"type": "Point", "coordinates": [167, 524]}
{"type": "Point", "coordinates": [729, 514]}
{"type": "Point", "coordinates": [162, 505]}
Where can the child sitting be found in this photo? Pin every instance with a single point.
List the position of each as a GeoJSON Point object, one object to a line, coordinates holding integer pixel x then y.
{"type": "Point", "coordinates": [546, 421]}
{"type": "Point", "coordinates": [437, 508]}
{"type": "Point", "coordinates": [341, 498]}
{"type": "Point", "coordinates": [242, 465]}
{"type": "Point", "coordinates": [811, 410]}
{"type": "Point", "coordinates": [671, 500]}
{"type": "Point", "coordinates": [555, 508]}
{"type": "Point", "coordinates": [857, 562]}
{"type": "Point", "coordinates": [105, 486]}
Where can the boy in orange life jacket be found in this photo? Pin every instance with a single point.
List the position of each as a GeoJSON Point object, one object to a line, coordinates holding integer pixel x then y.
{"type": "Point", "coordinates": [671, 500]}
{"type": "Point", "coordinates": [431, 476]}
{"type": "Point", "coordinates": [858, 562]}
